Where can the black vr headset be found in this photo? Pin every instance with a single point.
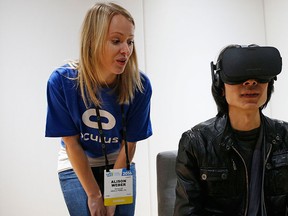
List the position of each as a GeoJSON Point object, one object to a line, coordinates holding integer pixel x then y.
{"type": "Point", "coordinates": [237, 64]}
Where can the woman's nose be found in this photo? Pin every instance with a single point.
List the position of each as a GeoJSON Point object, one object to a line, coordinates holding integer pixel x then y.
{"type": "Point", "coordinates": [251, 82]}
{"type": "Point", "coordinates": [125, 49]}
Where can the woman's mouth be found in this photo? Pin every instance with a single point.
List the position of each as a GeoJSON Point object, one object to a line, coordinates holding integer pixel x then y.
{"type": "Point", "coordinates": [121, 61]}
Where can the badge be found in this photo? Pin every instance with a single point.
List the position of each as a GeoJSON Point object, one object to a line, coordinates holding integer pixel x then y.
{"type": "Point", "coordinates": [118, 187]}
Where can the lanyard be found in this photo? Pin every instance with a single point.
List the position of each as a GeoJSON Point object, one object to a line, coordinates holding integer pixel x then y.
{"type": "Point", "coordinates": [124, 132]}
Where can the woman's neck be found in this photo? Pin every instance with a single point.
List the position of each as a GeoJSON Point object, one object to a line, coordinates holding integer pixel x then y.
{"type": "Point", "coordinates": [108, 81]}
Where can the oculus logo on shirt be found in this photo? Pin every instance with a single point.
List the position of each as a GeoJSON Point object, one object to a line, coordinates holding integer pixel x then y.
{"type": "Point", "coordinates": [107, 120]}
{"type": "Point", "coordinates": [106, 125]}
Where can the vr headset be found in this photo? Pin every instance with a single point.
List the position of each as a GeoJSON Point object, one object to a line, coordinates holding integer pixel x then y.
{"type": "Point", "coordinates": [238, 64]}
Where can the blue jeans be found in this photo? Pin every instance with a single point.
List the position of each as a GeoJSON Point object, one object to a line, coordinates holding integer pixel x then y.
{"type": "Point", "coordinates": [76, 198]}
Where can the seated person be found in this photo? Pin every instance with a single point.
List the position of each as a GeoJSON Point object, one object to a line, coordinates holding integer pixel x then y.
{"type": "Point", "coordinates": [236, 164]}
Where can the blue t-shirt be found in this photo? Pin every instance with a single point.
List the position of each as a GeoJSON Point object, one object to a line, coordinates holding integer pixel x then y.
{"type": "Point", "coordinates": [68, 116]}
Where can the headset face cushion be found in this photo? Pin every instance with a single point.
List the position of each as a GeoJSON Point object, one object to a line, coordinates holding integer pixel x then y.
{"type": "Point", "coordinates": [239, 64]}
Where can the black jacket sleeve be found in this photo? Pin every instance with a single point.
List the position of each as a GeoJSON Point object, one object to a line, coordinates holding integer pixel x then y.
{"type": "Point", "coordinates": [189, 196]}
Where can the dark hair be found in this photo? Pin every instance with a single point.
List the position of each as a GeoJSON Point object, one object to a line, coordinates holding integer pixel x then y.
{"type": "Point", "coordinates": [217, 90]}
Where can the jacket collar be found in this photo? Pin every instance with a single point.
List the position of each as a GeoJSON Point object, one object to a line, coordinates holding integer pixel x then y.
{"type": "Point", "coordinates": [225, 134]}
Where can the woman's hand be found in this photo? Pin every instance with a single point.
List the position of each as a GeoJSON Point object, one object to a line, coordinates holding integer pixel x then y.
{"type": "Point", "coordinates": [84, 173]}
{"type": "Point", "coordinates": [96, 206]}
{"type": "Point", "coordinates": [110, 210]}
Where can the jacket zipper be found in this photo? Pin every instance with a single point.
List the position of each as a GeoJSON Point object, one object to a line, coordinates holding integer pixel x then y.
{"type": "Point", "coordinates": [246, 174]}
{"type": "Point", "coordinates": [263, 175]}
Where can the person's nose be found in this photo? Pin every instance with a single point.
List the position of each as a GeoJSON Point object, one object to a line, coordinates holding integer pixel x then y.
{"type": "Point", "coordinates": [250, 82]}
{"type": "Point", "coordinates": [125, 50]}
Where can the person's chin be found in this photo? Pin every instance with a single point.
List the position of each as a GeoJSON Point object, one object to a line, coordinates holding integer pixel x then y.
{"type": "Point", "coordinates": [119, 71]}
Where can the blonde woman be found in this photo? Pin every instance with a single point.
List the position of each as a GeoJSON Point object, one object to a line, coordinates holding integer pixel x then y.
{"type": "Point", "coordinates": [100, 107]}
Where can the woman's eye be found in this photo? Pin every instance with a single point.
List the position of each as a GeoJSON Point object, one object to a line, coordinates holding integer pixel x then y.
{"type": "Point", "coordinates": [118, 41]}
{"type": "Point", "coordinates": [115, 41]}
{"type": "Point", "coordinates": [130, 42]}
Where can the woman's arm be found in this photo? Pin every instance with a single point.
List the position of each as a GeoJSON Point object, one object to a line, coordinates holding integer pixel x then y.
{"type": "Point", "coordinates": [121, 160]}
{"type": "Point", "coordinates": [83, 171]}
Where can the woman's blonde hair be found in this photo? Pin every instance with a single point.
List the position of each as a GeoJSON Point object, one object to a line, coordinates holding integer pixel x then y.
{"type": "Point", "coordinates": [94, 33]}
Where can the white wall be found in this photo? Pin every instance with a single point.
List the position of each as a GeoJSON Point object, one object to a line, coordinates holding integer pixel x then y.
{"type": "Point", "coordinates": [176, 40]}
{"type": "Point", "coordinates": [277, 34]}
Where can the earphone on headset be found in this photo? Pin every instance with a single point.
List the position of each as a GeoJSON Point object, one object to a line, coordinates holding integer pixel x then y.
{"type": "Point", "coordinates": [215, 73]}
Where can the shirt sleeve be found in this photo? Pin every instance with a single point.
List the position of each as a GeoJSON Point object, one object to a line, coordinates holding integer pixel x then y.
{"type": "Point", "coordinates": [59, 121]}
{"type": "Point", "coordinates": [138, 116]}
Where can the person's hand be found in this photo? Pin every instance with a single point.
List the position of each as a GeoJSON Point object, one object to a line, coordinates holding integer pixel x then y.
{"type": "Point", "coordinates": [96, 206]}
{"type": "Point", "coordinates": [110, 210]}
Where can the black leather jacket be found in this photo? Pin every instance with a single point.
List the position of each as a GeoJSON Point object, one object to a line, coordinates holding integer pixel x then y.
{"type": "Point", "coordinates": [212, 176]}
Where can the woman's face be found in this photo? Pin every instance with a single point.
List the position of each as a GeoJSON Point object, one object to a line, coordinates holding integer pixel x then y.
{"type": "Point", "coordinates": [118, 47]}
{"type": "Point", "coordinates": [249, 95]}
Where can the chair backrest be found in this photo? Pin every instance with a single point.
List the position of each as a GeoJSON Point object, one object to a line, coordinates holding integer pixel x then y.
{"type": "Point", "coordinates": [166, 182]}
